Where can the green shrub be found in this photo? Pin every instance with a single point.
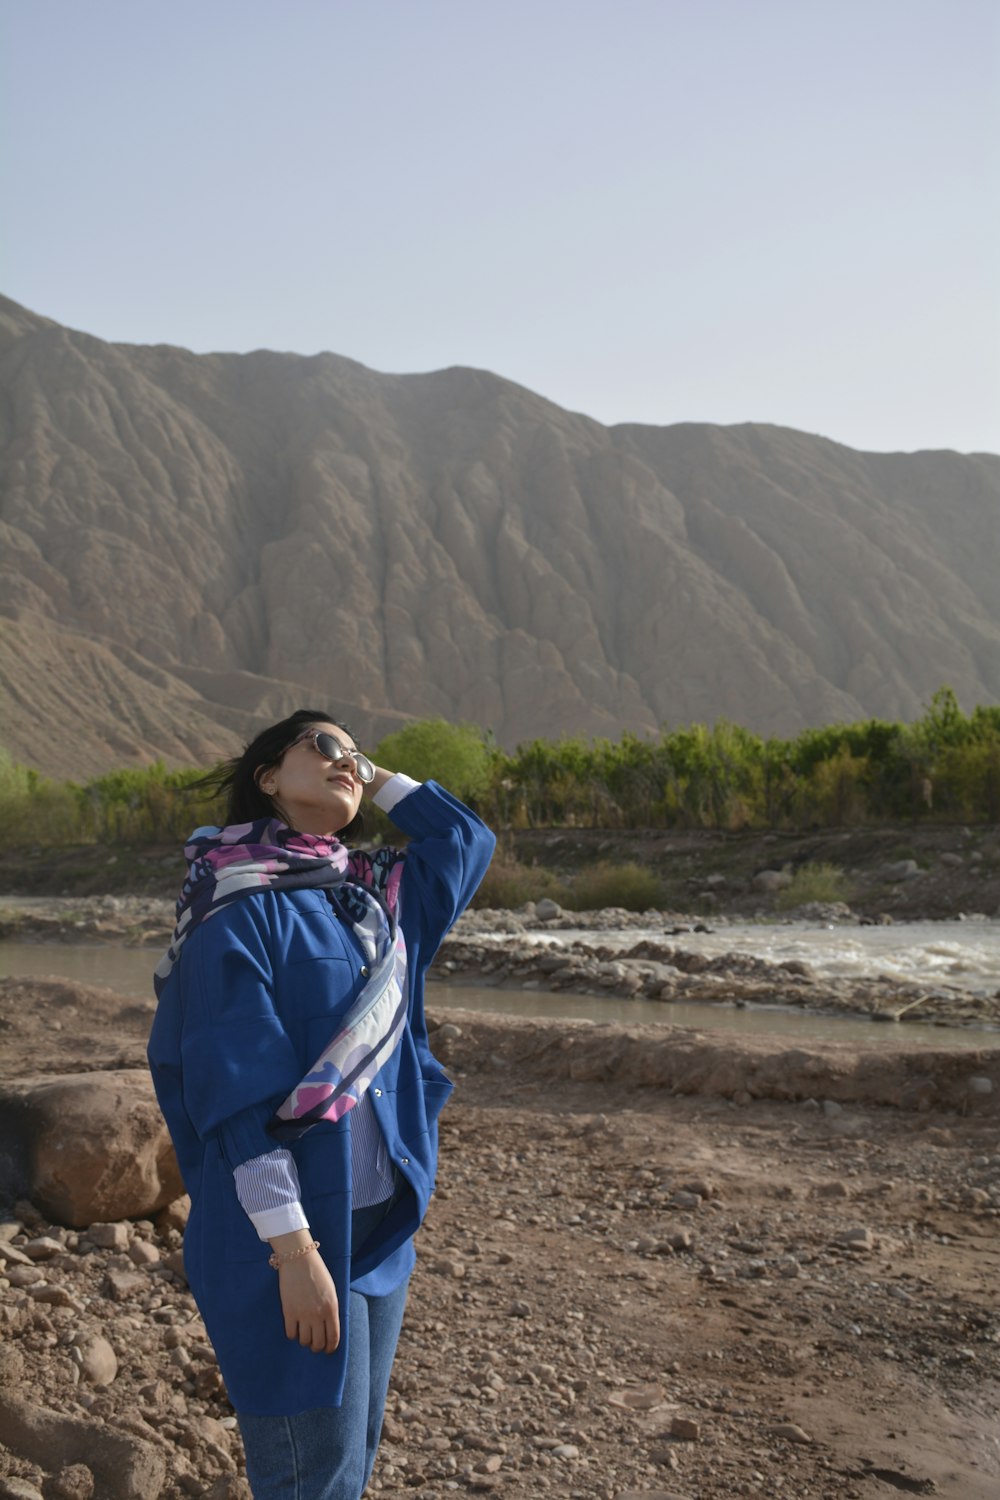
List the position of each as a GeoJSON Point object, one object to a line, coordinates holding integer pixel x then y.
{"type": "Point", "coordinates": [635, 887]}
{"type": "Point", "coordinates": [813, 882]}
{"type": "Point", "coordinates": [508, 884]}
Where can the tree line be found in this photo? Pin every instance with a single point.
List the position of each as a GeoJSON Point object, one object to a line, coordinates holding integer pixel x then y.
{"type": "Point", "coordinates": [944, 766]}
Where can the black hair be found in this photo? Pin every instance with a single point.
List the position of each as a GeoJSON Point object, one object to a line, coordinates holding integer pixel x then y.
{"type": "Point", "coordinates": [237, 779]}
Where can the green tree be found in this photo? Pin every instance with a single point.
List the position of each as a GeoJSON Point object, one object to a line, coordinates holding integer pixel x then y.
{"type": "Point", "coordinates": [456, 755]}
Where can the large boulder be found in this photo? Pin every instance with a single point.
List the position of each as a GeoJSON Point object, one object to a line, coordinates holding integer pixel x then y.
{"type": "Point", "coordinates": [87, 1147]}
{"type": "Point", "coordinates": [125, 1467]}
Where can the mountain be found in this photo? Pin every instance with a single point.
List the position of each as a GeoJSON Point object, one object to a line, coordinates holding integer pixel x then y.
{"type": "Point", "coordinates": [197, 543]}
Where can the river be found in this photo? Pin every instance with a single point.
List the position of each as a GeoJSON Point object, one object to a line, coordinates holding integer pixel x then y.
{"type": "Point", "coordinates": [960, 955]}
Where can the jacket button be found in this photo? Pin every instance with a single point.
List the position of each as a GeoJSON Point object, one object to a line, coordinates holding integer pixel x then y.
{"type": "Point", "coordinates": [378, 1093]}
{"type": "Point", "coordinates": [364, 971]}
{"type": "Point", "coordinates": [404, 1161]}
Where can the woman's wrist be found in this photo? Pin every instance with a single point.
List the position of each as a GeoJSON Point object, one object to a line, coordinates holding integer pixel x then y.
{"type": "Point", "coordinates": [378, 782]}
{"type": "Point", "coordinates": [281, 1244]}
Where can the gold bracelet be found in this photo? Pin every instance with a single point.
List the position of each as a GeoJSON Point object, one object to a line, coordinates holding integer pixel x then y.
{"type": "Point", "coordinates": [276, 1260]}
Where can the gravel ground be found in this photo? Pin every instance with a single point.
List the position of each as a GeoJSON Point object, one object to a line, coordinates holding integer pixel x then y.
{"type": "Point", "coordinates": [623, 1294]}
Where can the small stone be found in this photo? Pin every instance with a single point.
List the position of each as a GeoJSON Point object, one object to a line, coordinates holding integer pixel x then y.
{"type": "Point", "coordinates": [790, 1432]}
{"type": "Point", "coordinates": [121, 1286]}
{"type": "Point", "coordinates": [681, 1239]}
{"type": "Point", "coordinates": [175, 1262]}
{"type": "Point", "coordinates": [43, 1248]}
{"type": "Point", "coordinates": [490, 1465]}
{"type": "Point", "coordinates": [24, 1276]}
{"type": "Point", "coordinates": [980, 1084]}
{"type": "Point", "coordinates": [175, 1215]}
{"type": "Point", "coordinates": [859, 1239]}
{"type": "Point", "coordinates": [97, 1360]}
{"type": "Point", "coordinates": [686, 1429]}
{"type": "Point", "coordinates": [519, 1310]}
{"type": "Point", "coordinates": [449, 1032]}
{"type": "Point", "coordinates": [690, 1202]}
{"type": "Point", "coordinates": [142, 1253]}
{"type": "Point", "coordinates": [566, 1450]}
{"type": "Point", "coordinates": [75, 1482]}
{"type": "Point", "coordinates": [108, 1236]}
{"type": "Point", "coordinates": [12, 1488]}
{"type": "Point", "coordinates": [55, 1296]}
{"type": "Point", "coordinates": [11, 1365]}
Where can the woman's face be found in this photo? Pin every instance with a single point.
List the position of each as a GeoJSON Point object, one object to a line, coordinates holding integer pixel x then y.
{"type": "Point", "coordinates": [312, 793]}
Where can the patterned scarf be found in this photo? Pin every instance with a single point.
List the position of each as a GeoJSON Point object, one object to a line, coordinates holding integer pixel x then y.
{"type": "Point", "coordinates": [225, 864]}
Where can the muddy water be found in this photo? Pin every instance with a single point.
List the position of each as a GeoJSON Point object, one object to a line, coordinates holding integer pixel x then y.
{"type": "Point", "coordinates": [129, 970]}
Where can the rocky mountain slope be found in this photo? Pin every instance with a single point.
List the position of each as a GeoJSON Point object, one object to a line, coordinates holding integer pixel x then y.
{"type": "Point", "coordinates": [192, 542]}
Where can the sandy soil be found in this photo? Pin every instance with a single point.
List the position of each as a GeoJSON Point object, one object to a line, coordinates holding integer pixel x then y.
{"type": "Point", "coordinates": [621, 1290]}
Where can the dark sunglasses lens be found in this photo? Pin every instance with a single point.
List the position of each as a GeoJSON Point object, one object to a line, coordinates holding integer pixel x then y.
{"type": "Point", "coordinates": [334, 750]}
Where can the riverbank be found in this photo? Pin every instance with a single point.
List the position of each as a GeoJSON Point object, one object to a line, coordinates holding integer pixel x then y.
{"type": "Point", "coordinates": [907, 871]}
{"type": "Point", "coordinates": [541, 947]}
{"type": "Point", "coordinates": [656, 1265]}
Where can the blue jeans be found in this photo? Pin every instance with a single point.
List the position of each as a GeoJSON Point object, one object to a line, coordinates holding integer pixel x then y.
{"type": "Point", "coordinates": [328, 1453]}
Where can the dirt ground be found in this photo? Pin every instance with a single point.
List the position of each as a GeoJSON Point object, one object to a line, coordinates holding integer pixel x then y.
{"type": "Point", "coordinates": [621, 1291]}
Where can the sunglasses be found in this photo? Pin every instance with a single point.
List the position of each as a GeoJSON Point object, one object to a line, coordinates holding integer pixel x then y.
{"type": "Point", "coordinates": [331, 749]}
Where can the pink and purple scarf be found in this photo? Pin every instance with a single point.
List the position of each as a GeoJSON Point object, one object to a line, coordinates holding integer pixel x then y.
{"type": "Point", "coordinates": [225, 864]}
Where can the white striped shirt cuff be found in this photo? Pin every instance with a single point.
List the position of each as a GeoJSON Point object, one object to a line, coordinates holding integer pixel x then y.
{"type": "Point", "coordinates": [268, 1189]}
{"type": "Point", "coordinates": [394, 790]}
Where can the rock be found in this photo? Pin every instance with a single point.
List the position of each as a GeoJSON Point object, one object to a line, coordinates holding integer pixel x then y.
{"type": "Point", "coordinates": [122, 1286]}
{"type": "Point", "coordinates": [124, 1467]}
{"type": "Point", "coordinates": [175, 1215]}
{"type": "Point", "coordinates": [901, 869]}
{"type": "Point", "coordinates": [98, 1361]}
{"type": "Point", "coordinates": [43, 1248]}
{"type": "Point", "coordinates": [859, 1239]}
{"type": "Point", "coordinates": [24, 1276]}
{"type": "Point", "coordinates": [95, 1145]}
{"type": "Point", "coordinates": [11, 1365]}
{"type": "Point", "coordinates": [686, 1429]}
{"type": "Point", "coordinates": [142, 1253]}
{"type": "Point", "coordinates": [684, 1200]}
{"type": "Point", "coordinates": [979, 1084]}
{"type": "Point", "coordinates": [12, 1488]}
{"type": "Point", "coordinates": [449, 1032]}
{"type": "Point", "coordinates": [12, 1255]}
{"type": "Point", "coordinates": [771, 880]}
{"type": "Point", "coordinates": [108, 1236]}
{"type": "Point", "coordinates": [790, 1432]}
{"type": "Point", "coordinates": [175, 1262]}
{"type": "Point", "coordinates": [547, 910]}
{"type": "Point", "coordinates": [650, 1495]}
{"type": "Point", "coordinates": [75, 1482]}
{"type": "Point", "coordinates": [55, 1296]}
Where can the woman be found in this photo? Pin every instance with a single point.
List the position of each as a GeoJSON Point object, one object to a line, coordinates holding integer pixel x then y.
{"type": "Point", "coordinates": [291, 1061]}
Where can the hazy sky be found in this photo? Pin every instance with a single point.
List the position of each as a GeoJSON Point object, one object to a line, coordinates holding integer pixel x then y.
{"type": "Point", "coordinates": [647, 210]}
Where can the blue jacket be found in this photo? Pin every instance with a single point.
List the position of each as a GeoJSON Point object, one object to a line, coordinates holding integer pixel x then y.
{"type": "Point", "coordinates": [254, 998]}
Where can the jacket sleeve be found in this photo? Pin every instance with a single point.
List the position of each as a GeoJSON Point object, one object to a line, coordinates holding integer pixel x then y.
{"type": "Point", "coordinates": [449, 852]}
{"type": "Point", "coordinates": [237, 1061]}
